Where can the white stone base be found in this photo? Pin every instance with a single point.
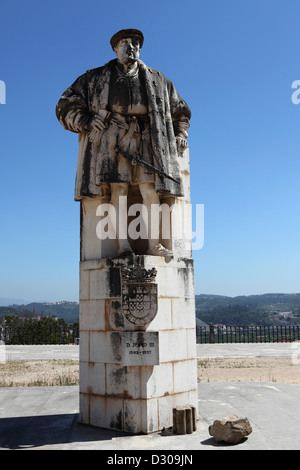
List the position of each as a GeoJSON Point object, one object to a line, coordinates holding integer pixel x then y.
{"type": "Point", "coordinates": [117, 393]}
{"type": "Point", "coordinates": [136, 398]}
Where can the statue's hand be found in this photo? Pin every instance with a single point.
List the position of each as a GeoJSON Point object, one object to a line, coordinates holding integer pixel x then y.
{"type": "Point", "coordinates": [97, 124]}
{"type": "Point", "coordinates": [181, 144]}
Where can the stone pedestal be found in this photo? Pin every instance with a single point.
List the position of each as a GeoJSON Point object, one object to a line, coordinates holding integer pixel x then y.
{"type": "Point", "coordinates": [134, 373]}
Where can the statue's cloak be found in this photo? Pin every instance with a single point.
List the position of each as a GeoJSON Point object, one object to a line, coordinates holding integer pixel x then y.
{"type": "Point", "coordinates": [167, 111]}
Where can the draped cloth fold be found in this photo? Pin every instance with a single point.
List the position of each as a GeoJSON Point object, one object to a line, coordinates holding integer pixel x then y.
{"type": "Point", "coordinates": [168, 116]}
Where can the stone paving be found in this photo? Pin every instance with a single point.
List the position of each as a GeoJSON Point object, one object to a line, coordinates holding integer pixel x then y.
{"type": "Point", "coordinates": [47, 417]}
{"type": "Point", "coordinates": [70, 351]}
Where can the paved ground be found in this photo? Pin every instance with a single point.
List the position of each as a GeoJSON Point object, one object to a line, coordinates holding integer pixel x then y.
{"type": "Point", "coordinates": [247, 349]}
{"type": "Point", "coordinates": [48, 352]}
{"type": "Point", "coordinates": [47, 417]}
{"type": "Point", "coordinates": [40, 352]}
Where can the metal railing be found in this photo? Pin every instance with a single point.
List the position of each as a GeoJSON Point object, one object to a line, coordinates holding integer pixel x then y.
{"type": "Point", "coordinates": [38, 333]}
{"type": "Point", "coordinates": [248, 334]}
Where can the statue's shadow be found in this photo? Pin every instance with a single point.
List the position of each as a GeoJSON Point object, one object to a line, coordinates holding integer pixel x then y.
{"type": "Point", "coordinates": [49, 432]}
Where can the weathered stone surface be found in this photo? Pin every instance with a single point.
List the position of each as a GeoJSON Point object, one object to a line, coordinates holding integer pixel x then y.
{"type": "Point", "coordinates": [137, 330]}
{"type": "Point", "coordinates": [139, 294]}
{"type": "Point", "coordinates": [231, 429]}
{"type": "Point", "coordinates": [184, 419]}
{"type": "Point", "coordinates": [132, 127]}
{"type": "Point", "coordinates": [140, 348]}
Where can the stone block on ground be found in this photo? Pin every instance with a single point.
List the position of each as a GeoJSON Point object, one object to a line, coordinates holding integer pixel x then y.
{"type": "Point", "coordinates": [184, 419]}
{"type": "Point", "coordinates": [231, 429]}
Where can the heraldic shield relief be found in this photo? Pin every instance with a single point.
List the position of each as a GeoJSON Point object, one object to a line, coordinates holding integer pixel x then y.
{"type": "Point", "coordinates": [139, 295]}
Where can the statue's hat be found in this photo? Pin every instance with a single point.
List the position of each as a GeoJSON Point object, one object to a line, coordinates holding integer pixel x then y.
{"type": "Point", "coordinates": [127, 33]}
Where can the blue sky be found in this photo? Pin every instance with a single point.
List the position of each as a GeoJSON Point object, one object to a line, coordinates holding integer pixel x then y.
{"type": "Point", "coordinates": [234, 63]}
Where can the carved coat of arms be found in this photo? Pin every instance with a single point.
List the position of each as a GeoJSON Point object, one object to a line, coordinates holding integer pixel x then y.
{"type": "Point", "coordinates": [139, 295]}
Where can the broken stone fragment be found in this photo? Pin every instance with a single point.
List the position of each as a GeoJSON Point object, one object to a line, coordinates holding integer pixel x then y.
{"type": "Point", "coordinates": [231, 429]}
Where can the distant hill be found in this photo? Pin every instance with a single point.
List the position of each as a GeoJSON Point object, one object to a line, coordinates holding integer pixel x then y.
{"type": "Point", "coordinates": [272, 301]}
{"type": "Point", "coordinates": [69, 311]}
{"type": "Point", "coordinates": [5, 302]}
{"type": "Point", "coordinates": [241, 310]}
{"type": "Point", "coordinates": [249, 309]}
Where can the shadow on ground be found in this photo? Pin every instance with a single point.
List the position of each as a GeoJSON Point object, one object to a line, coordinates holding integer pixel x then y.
{"type": "Point", "coordinates": [48, 430]}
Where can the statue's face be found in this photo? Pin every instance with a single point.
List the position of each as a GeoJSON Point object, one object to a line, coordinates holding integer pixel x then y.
{"type": "Point", "coordinates": [127, 50]}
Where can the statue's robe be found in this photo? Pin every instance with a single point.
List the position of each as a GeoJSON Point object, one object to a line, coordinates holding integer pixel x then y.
{"type": "Point", "coordinates": [168, 114]}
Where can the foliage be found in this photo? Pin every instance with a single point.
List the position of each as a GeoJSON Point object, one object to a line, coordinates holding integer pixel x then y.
{"type": "Point", "coordinates": [69, 311]}
{"type": "Point", "coordinates": [265, 309]}
{"type": "Point", "coordinates": [234, 315]}
{"type": "Point", "coordinates": [30, 330]}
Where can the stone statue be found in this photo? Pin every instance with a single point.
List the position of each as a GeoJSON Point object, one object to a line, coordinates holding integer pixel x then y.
{"type": "Point", "coordinates": [132, 127]}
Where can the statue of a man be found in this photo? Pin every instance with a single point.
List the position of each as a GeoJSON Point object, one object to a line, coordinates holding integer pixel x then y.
{"type": "Point", "coordinates": [123, 110]}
